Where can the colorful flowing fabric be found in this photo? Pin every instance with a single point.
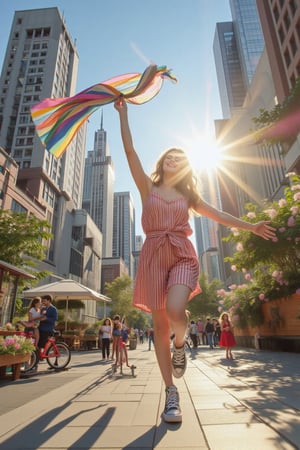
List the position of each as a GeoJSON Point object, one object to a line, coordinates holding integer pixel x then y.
{"type": "Point", "coordinates": [58, 119]}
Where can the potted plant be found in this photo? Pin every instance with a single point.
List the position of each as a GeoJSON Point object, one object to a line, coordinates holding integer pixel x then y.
{"type": "Point", "coordinates": [14, 350]}
{"type": "Point", "coordinates": [132, 340]}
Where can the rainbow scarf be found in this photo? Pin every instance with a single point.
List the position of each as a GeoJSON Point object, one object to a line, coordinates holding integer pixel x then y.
{"type": "Point", "coordinates": [58, 119]}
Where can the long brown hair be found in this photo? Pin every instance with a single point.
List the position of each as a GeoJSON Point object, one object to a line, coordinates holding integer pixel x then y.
{"type": "Point", "coordinates": [187, 182]}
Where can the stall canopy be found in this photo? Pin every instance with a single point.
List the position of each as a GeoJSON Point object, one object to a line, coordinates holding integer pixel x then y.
{"type": "Point", "coordinates": [66, 290]}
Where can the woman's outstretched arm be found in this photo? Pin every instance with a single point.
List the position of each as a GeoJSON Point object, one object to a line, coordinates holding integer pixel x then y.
{"type": "Point", "coordinates": [142, 180]}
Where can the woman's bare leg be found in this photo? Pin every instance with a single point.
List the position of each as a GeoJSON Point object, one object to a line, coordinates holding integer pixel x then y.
{"type": "Point", "coordinates": [161, 328]}
{"type": "Point", "coordinates": [176, 310]}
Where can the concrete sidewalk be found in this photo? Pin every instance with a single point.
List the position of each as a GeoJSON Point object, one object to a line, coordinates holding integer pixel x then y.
{"type": "Point", "coordinates": [251, 403]}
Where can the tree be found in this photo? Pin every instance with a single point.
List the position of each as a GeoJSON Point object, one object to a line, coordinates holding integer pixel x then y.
{"type": "Point", "coordinates": [120, 291]}
{"type": "Point", "coordinates": [138, 319]}
{"type": "Point", "coordinates": [21, 239]}
{"type": "Point", "coordinates": [205, 304]}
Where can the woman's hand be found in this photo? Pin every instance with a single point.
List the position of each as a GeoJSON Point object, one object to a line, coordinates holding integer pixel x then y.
{"type": "Point", "coordinates": [264, 230]}
{"type": "Point", "coordinates": [120, 104]}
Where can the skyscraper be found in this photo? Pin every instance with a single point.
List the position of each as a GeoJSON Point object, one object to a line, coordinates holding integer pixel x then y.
{"type": "Point", "coordinates": [124, 229]}
{"type": "Point", "coordinates": [41, 61]}
{"type": "Point", "coordinates": [98, 189]}
{"type": "Point", "coordinates": [248, 34]}
{"type": "Point", "coordinates": [232, 86]}
{"type": "Point", "coordinates": [206, 230]}
{"type": "Point", "coordinates": [281, 28]}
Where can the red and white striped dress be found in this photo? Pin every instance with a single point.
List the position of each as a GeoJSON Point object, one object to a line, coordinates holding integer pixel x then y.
{"type": "Point", "coordinates": [167, 257]}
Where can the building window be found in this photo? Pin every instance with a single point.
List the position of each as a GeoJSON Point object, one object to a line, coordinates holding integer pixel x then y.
{"type": "Point", "coordinates": [20, 141]}
{"type": "Point", "coordinates": [18, 153]}
{"type": "Point", "coordinates": [287, 58]}
{"type": "Point", "coordinates": [287, 21]}
{"type": "Point", "coordinates": [281, 34]}
{"type": "Point", "coordinates": [293, 45]}
{"type": "Point", "coordinates": [276, 13]}
{"type": "Point", "coordinates": [17, 207]}
{"type": "Point", "coordinates": [293, 6]}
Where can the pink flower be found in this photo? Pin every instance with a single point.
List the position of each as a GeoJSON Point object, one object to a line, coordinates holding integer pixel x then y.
{"type": "Point", "coordinates": [233, 268]}
{"type": "Point", "coordinates": [220, 309]}
{"type": "Point", "coordinates": [294, 210]}
{"type": "Point", "coordinates": [296, 187]}
{"type": "Point", "coordinates": [239, 247]}
{"type": "Point", "coordinates": [275, 239]}
{"type": "Point", "coordinates": [17, 346]}
{"type": "Point", "coordinates": [232, 286]}
{"type": "Point", "coordinates": [234, 231]}
{"type": "Point", "coordinates": [261, 297]}
{"type": "Point", "coordinates": [282, 229]}
{"type": "Point", "coordinates": [296, 196]}
{"type": "Point", "coordinates": [221, 292]}
{"type": "Point", "coordinates": [248, 276]}
{"type": "Point", "coordinates": [282, 202]}
{"type": "Point", "coordinates": [251, 215]}
{"type": "Point", "coordinates": [221, 302]}
{"type": "Point", "coordinates": [275, 274]}
{"type": "Point", "coordinates": [235, 318]}
{"type": "Point", "coordinates": [291, 221]}
{"type": "Point", "coordinates": [271, 213]}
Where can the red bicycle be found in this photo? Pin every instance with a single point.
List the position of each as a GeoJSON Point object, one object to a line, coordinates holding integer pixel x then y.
{"type": "Point", "coordinates": [57, 355]}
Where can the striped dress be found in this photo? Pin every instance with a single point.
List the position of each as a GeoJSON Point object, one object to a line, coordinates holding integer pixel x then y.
{"type": "Point", "coordinates": [167, 257]}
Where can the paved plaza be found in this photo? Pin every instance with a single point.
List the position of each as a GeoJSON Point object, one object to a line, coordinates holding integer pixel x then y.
{"type": "Point", "coordinates": [250, 403]}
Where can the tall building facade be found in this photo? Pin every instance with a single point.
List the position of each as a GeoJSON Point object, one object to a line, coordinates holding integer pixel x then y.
{"type": "Point", "coordinates": [257, 170]}
{"type": "Point", "coordinates": [124, 229]}
{"type": "Point", "coordinates": [98, 188]}
{"type": "Point", "coordinates": [231, 83]}
{"type": "Point", "coordinates": [41, 61]}
{"type": "Point", "coordinates": [206, 230]}
{"type": "Point", "coordinates": [280, 21]}
{"type": "Point", "coordinates": [249, 35]}
{"type": "Point", "coordinates": [281, 27]}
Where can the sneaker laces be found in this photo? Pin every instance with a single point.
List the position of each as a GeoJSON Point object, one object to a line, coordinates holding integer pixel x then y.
{"type": "Point", "coordinates": [172, 398]}
{"type": "Point", "coordinates": [178, 359]}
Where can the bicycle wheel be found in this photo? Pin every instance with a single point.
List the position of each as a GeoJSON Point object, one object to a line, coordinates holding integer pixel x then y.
{"type": "Point", "coordinates": [31, 364]}
{"type": "Point", "coordinates": [58, 356]}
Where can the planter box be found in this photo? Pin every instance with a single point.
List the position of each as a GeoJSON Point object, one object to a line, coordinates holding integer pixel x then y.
{"type": "Point", "coordinates": [13, 361]}
{"type": "Point", "coordinates": [132, 344]}
{"type": "Point", "coordinates": [280, 330]}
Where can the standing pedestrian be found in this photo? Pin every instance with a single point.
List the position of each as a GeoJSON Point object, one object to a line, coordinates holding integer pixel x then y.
{"type": "Point", "coordinates": [168, 271]}
{"type": "Point", "coordinates": [200, 326]}
{"type": "Point", "coordinates": [209, 331]}
{"type": "Point", "coordinates": [105, 335]}
{"type": "Point", "coordinates": [227, 338]}
{"type": "Point", "coordinates": [116, 335]}
{"type": "Point", "coordinates": [193, 329]}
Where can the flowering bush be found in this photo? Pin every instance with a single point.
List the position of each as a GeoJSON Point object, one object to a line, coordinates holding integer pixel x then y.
{"type": "Point", "coordinates": [271, 269]}
{"type": "Point", "coordinates": [15, 345]}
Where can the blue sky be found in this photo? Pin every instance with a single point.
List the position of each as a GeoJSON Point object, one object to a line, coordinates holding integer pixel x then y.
{"type": "Point", "coordinates": [115, 37]}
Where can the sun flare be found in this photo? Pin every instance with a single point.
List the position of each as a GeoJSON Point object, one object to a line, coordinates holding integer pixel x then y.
{"type": "Point", "coordinates": [205, 153]}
